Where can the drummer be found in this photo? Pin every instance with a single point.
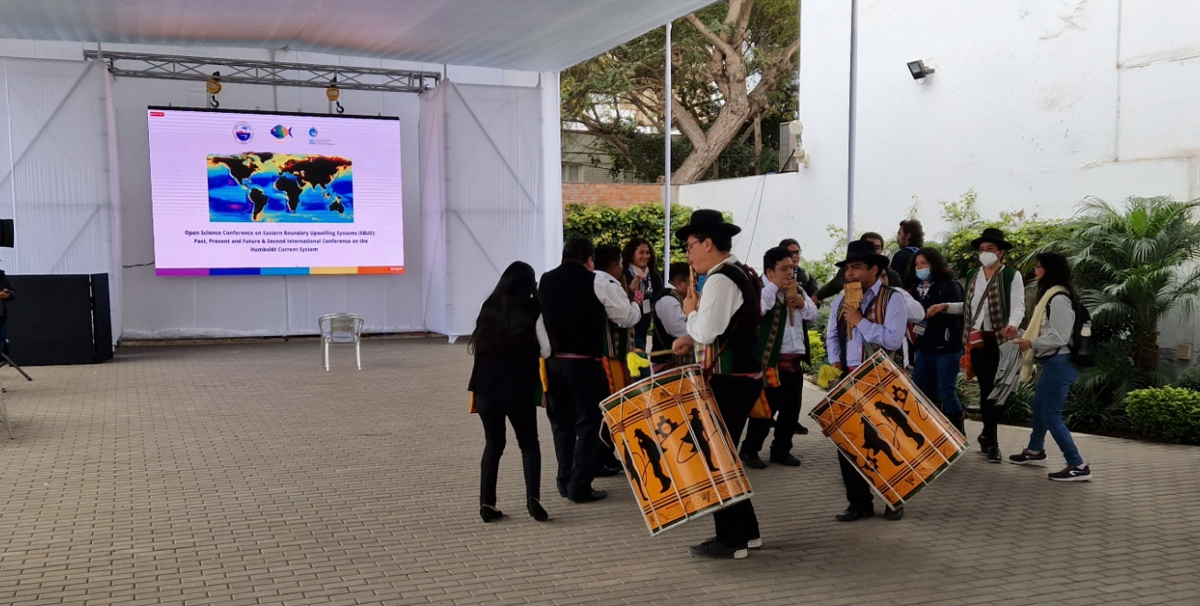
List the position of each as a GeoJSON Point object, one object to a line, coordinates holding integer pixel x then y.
{"type": "Point", "coordinates": [853, 335]}
{"type": "Point", "coordinates": [724, 323]}
{"type": "Point", "coordinates": [669, 321]}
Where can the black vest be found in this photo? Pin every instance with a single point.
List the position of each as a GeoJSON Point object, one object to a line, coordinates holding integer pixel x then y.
{"type": "Point", "coordinates": [574, 316]}
{"type": "Point", "coordinates": [741, 335]}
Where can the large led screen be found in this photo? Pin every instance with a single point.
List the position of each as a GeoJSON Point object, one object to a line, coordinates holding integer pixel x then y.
{"type": "Point", "coordinates": [252, 193]}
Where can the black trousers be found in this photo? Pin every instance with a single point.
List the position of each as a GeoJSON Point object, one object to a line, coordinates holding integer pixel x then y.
{"type": "Point", "coordinates": [521, 411]}
{"type": "Point", "coordinates": [573, 406]}
{"type": "Point", "coordinates": [735, 396]}
{"type": "Point", "coordinates": [785, 407]}
{"type": "Point", "coordinates": [858, 491]}
{"type": "Point", "coordinates": [985, 361]}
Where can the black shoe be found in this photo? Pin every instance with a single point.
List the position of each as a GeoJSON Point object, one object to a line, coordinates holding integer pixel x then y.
{"type": "Point", "coordinates": [1072, 474]}
{"type": "Point", "coordinates": [489, 513]}
{"type": "Point", "coordinates": [983, 445]}
{"type": "Point", "coordinates": [588, 497]}
{"type": "Point", "coordinates": [894, 514]}
{"type": "Point", "coordinates": [607, 471]}
{"type": "Point", "coordinates": [993, 454]}
{"type": "Point", "coordinates": [801, 430]}
{"type": "Point", "coordinates": [1027, 457]}
{"type": "Point", "coordinates": [751, 460]}
{"type": "Point", "coordinates": [714, 548]}
{"type": "Point", "coordinates": [536, 511]}
{"type": "Point", "coordinates": [851, 515]}
{"type": "Point", "coordinates": [562, 490]}
{"type": "Point", "coordinates": [785, 458]}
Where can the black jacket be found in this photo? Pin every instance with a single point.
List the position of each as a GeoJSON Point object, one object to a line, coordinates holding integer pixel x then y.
{"type": "Point", "coordinates": [900, 263]}
{"type": "Point", "coordinates": [943, 332]}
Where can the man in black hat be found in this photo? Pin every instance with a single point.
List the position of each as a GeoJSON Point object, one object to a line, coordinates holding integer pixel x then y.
{"type": "Point", "coordinates": [724, 323]}
{"type": "Point", "coordinates": [853, 335]}
{"type": "Point", "coordinates": [994, 308]}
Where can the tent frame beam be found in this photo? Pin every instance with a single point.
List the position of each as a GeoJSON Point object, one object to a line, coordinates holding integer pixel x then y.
{"type": "Point", "coordinates": [270, 73]}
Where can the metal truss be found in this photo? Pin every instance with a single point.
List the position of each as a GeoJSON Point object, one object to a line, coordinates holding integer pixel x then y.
{"type": "Point", "coordinates": [170, 67]}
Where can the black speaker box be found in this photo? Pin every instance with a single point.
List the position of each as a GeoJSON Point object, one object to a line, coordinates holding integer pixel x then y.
{"type": "Point", "coordinates": [59, 320]}
{"type": "Point", "coordinates": [6, 233]}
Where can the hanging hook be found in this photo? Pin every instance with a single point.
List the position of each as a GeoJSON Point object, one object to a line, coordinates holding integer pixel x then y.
{"type": "Point", "coordinates": [213, 86]}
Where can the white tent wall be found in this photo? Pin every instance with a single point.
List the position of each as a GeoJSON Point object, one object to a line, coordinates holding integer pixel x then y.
{"type": "Point", "coordinates": [53, 167]}
{"type": "Point", "coordinates": [60, 191]}
{"type": "Point", "coordinates": [494, 207]}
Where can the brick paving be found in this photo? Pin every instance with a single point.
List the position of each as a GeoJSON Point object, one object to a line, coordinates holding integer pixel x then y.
{"type": "Point", "coordinates": [244, 474]}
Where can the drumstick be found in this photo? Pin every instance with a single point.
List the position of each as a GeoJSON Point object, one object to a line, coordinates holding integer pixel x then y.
{"type": "Point", "coordinates": [661, 352]}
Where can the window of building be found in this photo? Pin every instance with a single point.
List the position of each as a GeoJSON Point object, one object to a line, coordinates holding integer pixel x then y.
{"type": "Point", "coordinates": [572, 173]}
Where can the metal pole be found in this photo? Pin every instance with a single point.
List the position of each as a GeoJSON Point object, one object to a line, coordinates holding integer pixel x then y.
{"type": "Point", "coordinates": [852, 119]}
{"type": "Point", "coordinates": [668, 93]}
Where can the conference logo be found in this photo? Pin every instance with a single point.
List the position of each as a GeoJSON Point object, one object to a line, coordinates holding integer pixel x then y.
{"type": "Point", "coordinates": [280, 131]}
{"type": "Point", "coordinates": [312, 132]}
{"type": "Point", "coordinates": [243, 132]}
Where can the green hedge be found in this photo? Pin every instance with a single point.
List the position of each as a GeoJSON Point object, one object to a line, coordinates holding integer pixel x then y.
{"type": "Point", "coordinates": [1169, 414]}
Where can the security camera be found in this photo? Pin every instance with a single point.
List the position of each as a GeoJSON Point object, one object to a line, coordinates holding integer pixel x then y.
{"type": "Point", "coordinates": [919, 70]}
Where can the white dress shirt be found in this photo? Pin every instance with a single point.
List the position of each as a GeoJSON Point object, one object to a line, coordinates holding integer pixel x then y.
{"type": "Point", "coordinates": [889, 335]}
{"type": "Point", "coordinates": [543, 337]}
{"type": "Point", "coordinates": [720, 300]}
{"type": "Point", "coordinates": [1016, 307]}
{"type": "Point", "coordinates": [670, 312]}
{"type": "Point", "coordinates": [620, 309]}
{"type": "Point", "coordinates": [795, 340]}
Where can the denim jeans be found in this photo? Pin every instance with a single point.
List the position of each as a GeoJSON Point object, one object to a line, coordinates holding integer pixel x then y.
{"type": "Point", "coordinates": [1048, 399]}
{"type": "Point", "coordinates": [937, 376]}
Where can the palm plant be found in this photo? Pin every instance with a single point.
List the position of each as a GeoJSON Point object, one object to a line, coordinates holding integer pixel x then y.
{"type": "Point", "coordinates": [1135, 266]}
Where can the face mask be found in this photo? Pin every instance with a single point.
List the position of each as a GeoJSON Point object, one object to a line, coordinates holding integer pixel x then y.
{"type": "Point", "coordinates": [988, 258]}
{"type": "Point", "coordinates": [923, 273]}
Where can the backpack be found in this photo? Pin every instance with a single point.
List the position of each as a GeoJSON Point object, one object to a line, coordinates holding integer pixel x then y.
{"type": "Point", "coordinates": [1083, 353]}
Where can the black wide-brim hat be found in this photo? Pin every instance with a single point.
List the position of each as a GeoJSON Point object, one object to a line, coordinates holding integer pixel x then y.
{"type": "Point", "coordinates": [860, 250]}
{"type": "Point", "coordinates": [706, 221]}
{"type": "Point", "coordinates": [993, 235]}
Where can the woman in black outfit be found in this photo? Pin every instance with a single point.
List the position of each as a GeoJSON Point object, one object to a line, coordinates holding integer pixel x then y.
{"type": "Point", "coordinates": [939, 337]}
{"type": "Point", "coordinates": [509, 338]}
{"type": "Point", "coordinates": [643, 281]}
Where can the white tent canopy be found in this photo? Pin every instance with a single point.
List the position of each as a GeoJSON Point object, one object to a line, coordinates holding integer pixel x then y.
{"type": "Point", "coordinates": [480, 163]}
{"type": "Point", "coordinates": [535, 35]}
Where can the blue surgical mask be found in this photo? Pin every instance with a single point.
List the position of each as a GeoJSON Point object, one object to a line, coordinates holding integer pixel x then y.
{"type": "Point", "coordinates": [923, 273]}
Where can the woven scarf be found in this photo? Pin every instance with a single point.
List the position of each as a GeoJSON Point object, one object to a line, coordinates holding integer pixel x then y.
{"type": "Point", "coordinates": [1035, 329]}
{"type": "Point", "coordinates": [997, 306]}
{"type": "Point", "coordinates": [769, 331]}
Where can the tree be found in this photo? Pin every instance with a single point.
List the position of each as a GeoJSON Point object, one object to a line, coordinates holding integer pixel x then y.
{"type": "Point", "coordinates": [733, 65]}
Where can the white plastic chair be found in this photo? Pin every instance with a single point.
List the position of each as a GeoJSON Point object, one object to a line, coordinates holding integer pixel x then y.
{"type": "Point", "coordinates": [341, 329]}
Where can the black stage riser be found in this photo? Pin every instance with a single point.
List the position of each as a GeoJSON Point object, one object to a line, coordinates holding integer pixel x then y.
{"type": "Point", "coordinates": [61, 319]}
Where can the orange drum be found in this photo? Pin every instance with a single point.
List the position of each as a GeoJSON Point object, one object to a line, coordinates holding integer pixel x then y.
{"type": "Point", "coordinates": [897, 439]}
{"type": "Point", "coordinates": [676, 451]}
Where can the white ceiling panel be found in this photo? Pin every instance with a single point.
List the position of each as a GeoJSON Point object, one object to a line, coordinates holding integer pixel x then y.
{"type": "Point", "coordinates": [511, 34]}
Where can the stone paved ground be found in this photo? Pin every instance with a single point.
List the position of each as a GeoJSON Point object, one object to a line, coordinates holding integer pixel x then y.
{"type": "Point", "coordinates": [244, 474]}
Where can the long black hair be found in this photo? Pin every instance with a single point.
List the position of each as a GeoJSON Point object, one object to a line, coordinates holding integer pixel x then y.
{"type": "Point", "coordinates": [939, 269]}
{"type": "Point", "coordinates": [508, 318]}
{"type": "Point", "coordinates": [1056, 272]}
